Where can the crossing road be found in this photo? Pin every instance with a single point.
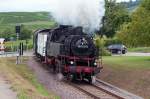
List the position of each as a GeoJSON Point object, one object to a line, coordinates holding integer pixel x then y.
{"type": "Point", "coordinates": [13, 54]}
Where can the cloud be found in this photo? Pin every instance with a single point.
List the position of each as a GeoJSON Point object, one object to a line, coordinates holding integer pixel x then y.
{"type": "Point", "coordinates": [26, 5]}
{"type": "Point", "coordinates": [29, 5]}
{"type": "Point", "coordinates": [85, 13]}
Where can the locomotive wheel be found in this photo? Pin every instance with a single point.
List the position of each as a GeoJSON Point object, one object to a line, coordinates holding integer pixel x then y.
{"type": "Point", "coordinates": [58, 70]}
{"type": "Point", "coordinates": [92, 80]}
{"type": "Point", "coordinates": [70, 77]}
{"type": "Point", "coordinates": [60, 76]}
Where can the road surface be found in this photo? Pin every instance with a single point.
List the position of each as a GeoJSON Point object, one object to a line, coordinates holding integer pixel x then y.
{"type": "Point", "coordinates": [133, 54]}
{"type": "Point", "coordinates": [13, 54]}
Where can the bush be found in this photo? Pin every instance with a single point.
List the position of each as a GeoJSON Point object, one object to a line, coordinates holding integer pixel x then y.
{"type": "Point", "coordinates": [112, 41]}
{"type": "Point", "coordinates": [104, 52]}
{"type": "Point", "coordinates": [100, 43]}
{"type": "Point", "coordinates": [12, 46]}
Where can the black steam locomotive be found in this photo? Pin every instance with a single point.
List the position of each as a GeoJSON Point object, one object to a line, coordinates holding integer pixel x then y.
{"type": "Point", "coordinates": [69, 51]}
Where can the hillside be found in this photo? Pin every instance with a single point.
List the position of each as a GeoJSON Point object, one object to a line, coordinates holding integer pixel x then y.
{"type": "Point", "coordinates": [33, 20]}
{"type": "Point", "coordinates": [132, 5]}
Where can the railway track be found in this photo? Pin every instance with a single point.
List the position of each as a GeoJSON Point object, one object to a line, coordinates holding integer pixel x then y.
{"type": "Point", "coordinates": [103, 90]}
{"type": "Point", "coordinates": [115, 91]}
{"type": "Point", "coordinates": [93, 90]}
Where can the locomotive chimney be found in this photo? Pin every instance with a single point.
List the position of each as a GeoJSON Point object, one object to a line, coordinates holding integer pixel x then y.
{"type": "Point", "coordinates": [79, 30]}
{"type": "Point", "coordinates": [64, 26]}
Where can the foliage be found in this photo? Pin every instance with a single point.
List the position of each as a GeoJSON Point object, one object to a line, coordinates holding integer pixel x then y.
{"type": "Point", "coordinates": [21, 17]}
{"type": "Point", "coordinates": [8, 33]}
{"type": "Point", "coordinates": [32, 20]}
{"type": "Point", "coordinates": [100, 43]}
{"type": "Point", "coordinates": [11, 46]}
{"type": "Point", "coordinates": [110, 41]}
{"type": "Point", "coordinates": [115, 15]}
{"type": "Point", "coordinates": [137, 32]}
{"type": "Point", "coordinates": [25, 33]}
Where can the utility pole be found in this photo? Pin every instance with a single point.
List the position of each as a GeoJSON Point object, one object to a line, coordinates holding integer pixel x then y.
{"type": "Point", "coordinates": [17, 34]}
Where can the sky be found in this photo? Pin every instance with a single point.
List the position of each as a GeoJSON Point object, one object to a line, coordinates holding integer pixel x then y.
{"type": "Point", "coordinates": [29, 5]}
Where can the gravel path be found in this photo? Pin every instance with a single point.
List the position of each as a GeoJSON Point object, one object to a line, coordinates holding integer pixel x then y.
{"type": "Point", "coordinates": [48, 79]}
{"type": "Point", "coordinates": [5, 91]}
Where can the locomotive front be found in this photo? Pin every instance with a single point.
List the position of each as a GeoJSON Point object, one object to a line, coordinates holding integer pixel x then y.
{"type": "Point", "coordinates": [81, 57]}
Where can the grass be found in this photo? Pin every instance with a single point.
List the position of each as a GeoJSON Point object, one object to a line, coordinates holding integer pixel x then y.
{"type": "Point", "coordinates": [31, 25]}
{"type": "Point", "coordinates": [21, 17]}
{"type": "Point", "coordinates": [23, 81]}
{"type": "Point", "coordinates": [140, 49]}
{"type": "Point", "coordinates": [131, 62]}
{"type": "Point", "coordinates": [11, 46]}
{"type": "Point", "coordinates": [33, 20]}
{"type": "Point", "coordinates": [128, 72]}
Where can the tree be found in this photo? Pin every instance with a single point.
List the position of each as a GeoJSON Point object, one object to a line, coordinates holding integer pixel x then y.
{"type": "Point", "coordinates": [137, 32]}
{"type": "Point", "coordinates": [8, 33]}
{"type": "Point", "coordinates": [25, 33]}
{"type": "Point", "coordinates": [115, 15]}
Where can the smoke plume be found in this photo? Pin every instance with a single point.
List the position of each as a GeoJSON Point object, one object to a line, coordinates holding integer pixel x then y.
{"type": "Point", "coordinates": [85, 13]}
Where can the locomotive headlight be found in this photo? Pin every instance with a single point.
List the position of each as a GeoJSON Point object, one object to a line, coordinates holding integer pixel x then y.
{"type": "Point", "coordinates": [95, 64]}
{"type": "Point", "coordinates": [71, 62]}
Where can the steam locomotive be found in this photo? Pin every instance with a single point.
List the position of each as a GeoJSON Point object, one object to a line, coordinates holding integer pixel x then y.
{"type": "Point", "coordinates": [69, 52]}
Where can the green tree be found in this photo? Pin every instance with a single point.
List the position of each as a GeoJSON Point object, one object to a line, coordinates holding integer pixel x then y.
{"type": "Point", "coordinates": [137, 32]}
{"type": "Point", "coordinates": [25, 33]}
{"type": "Point", "coordinates": [115, 15]}
{"type": "Point", "coordinates": [8, 33]}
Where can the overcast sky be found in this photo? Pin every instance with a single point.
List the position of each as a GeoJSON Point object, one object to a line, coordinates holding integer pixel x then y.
{"type": "Point", "coordinates": [29, 5]}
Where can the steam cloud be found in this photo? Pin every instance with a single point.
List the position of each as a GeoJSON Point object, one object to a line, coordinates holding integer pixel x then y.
{"type": "Point", "coordinates": [85, 13]}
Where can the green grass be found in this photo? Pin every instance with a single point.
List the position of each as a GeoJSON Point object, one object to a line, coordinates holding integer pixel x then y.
{"type": "Point", "coordinates": [11, 46]}
{"type": "Point", "coordinates": [128, 62]}
{"type": "Point", "coordinates": [129, 73]}
{"type": "Point", "coordinates": [32, 20]}
{"type": "Point", "coordinates": [23, 17]}
{"type": "Point", "coordinates": [140, 49]}
{"type": "Point", "coordinates": [23, 81]}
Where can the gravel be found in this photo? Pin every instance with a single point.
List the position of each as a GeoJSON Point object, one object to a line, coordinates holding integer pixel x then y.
{"type": "Point", "coordinates": [50, 82]}
{"type": "Point", "coordinates": [5, 91]}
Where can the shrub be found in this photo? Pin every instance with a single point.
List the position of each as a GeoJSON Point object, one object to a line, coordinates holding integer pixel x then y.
{"type": "Point", "coordinates": [112, 41]}
{"type": "Point", "coordinates": [100, 44]}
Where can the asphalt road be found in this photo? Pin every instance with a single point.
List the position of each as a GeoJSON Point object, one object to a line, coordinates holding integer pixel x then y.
{"type": "Point", "coordinates": [133, 54]}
